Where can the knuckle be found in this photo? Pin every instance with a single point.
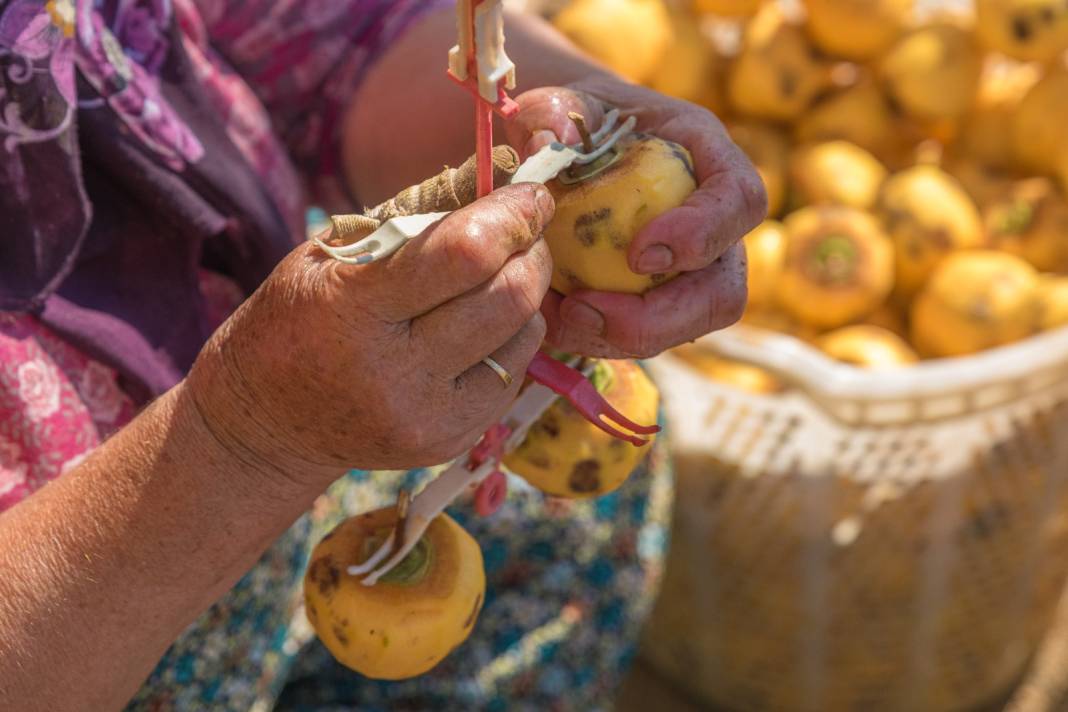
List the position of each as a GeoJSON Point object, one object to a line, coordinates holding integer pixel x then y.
{"type": "Point", "coordinates": [754, 197]}
{"type": "Point", "coordinates": [468, 251]}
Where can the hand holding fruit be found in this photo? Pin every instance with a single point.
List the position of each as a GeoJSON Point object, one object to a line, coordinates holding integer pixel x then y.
{"type": "Point", "coordinates": [699, 239]}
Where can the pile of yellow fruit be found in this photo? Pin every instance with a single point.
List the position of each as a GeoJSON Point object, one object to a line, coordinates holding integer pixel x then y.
{"type": "Point", "coordinates": [916, 167]}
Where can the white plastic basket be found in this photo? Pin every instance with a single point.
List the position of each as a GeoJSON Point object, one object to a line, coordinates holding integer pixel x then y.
{"type": "Point", "coordinates": [864, 541]}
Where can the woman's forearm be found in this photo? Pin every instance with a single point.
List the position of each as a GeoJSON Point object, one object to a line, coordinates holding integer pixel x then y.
{"type": "Point", "coordinates": [407, 120]}
{"type": "Point", "coordinates": [101, 570]}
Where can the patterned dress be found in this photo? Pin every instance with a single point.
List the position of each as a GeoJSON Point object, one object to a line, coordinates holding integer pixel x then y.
{"type": "Point", "coordinates": [156, 159]}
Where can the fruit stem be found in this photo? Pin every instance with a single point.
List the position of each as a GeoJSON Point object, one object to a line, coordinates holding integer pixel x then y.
{"type": "Point", "coordinates": [410, 570]}
{"type": "Point", "coordinates": [584, 132]}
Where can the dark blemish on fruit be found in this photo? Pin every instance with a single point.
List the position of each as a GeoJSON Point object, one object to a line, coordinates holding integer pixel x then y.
{"type": "Point", "coordinates": [571, 277]}
{"type": "Point", "coordinates": [539, 460]}
{"type": "Point", "coordinates": [1046, 15]}
{"type": "Point", "coordinates": [325, 573]}
{"type": "Point", "coordinates": [618, 240]}
{"type": "Point", "coordinates": [341, 635]}
{"type": "Point", "coordinates": [586, 225]}
{"type": "Point", "coordinates": [474, 612]}
{"type": "Point", "coordinates": [585, 476]}
{"type": "Point", "coordinates": [658, 278]}
{"type": "Point", "coordinates": [549, 425]}
{"type": "Point", "coordinates": [678, 153]}
{"type": "Point", "coordinates": [1021, 29]}
{"type": "Point", "coordinates": [788, 84]}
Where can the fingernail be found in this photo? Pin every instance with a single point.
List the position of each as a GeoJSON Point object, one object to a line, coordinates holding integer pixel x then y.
{"type": "Point", "coordinates": [583, 316]}
{"type": "Point", "coordinates": [538, 140]}
{"type": "Point", "coordinates": [657, 258]}
{"type": "Point", "coordinates": [546, 204]}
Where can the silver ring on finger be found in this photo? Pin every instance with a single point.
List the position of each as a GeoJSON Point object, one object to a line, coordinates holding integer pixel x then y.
{"type": "Point", "coordinates": [499, 370]}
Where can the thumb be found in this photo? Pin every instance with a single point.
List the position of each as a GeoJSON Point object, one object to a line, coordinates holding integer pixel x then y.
{"type": "Point", "coordinates": [543, 118]}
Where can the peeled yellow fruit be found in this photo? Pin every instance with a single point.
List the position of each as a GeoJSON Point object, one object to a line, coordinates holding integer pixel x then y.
{"type": "Point", "coordinates": [933, 71]}
{"type": "Point", "coordinates": [868, 347]}
{"type": "Point", "coordinates": [1052, 302]}
{"type": "Point", "coordinates": [856, 29]}
{"type": "Point", "coordinates": [860, 114]}
{"type": "Point", "coordinates": [986, 133]}
{"type": "Point", "coordinates": [928, 215]}
{"type": "Point", "coordinates": [839, 266]}
{"type": "Point", "coordinates": [1038, 136]}
{"type": "Point", "coordinates": [414, 616]}
{"type": "Point", "coordinates": [630, 36]}
{"type": "Point", "coordinates": [567, 456]}
{"type": "Point", "coordinates": [727, 8]}
{"type": "Point", "coordinates": [1031, 30]}
{"type": "Point", "coordinates": [690, 68]}
{"type": "Point", "coordinates": [742, 376]}
{"type": "Point", "coordinates": [767, 148]}
{"type": "Point", "coordinates": [836, 172]}
{"type": "Point", "coordinates": [1030, 220]}
{"type": "Point", "coordinates": [975, 300]}
{"type": "Point", "coordinates": [765, 249]}
{"type": "Point", "coordinates": [597, 217]}
{"type": "Point", "coordinates": [776, 75]}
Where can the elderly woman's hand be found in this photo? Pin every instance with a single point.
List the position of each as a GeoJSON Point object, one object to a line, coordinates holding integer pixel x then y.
{"type": "Point", "coordinates": [330, 366]}
{"type": "Point", "coordinates": [701, 238]}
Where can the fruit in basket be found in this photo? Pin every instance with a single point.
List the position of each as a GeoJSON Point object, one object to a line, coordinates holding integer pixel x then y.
{"type": "Point", "coordinates": [975, 300]}
{"type": "Point", "coordinates": [743, 376]}
{"type": "Point", "coordinates": [727, 8]}
{"type": "Point", "coordinates": [768, 149]}
{"type": "Point", "coordinates": [985, 184]}
{"type": "Point", "coordinates": [855, 30]}
{"type": "Point", "coordinates": [860, 114]}
{"type": "Point", "coordinates": [765, 249]}
{"type": "Point", "coordinates": [630, 36]}
{"type": "Point", "coordinates": [890, 318]}
{"type": "Point", "coordinates": [1029, 30]}
{"type": "Point", "coordinates": [567, 456]}
{"type": "Point", "coordinates": [986, 132]}
{"type": "Point", "coordinates": [836, 172]}
{"type": "Point", "coordinates": [867, 346]}
{"type": "Point", "coordinates": [1038, 124]}
{"type": "Point", "coordinates": [928, 215]}
{"type": "Point", "coordinates": [414, 616]}
{"type": "Point", "coordinates": [601, 207]}
{"type": "Point", "coordinates": [776, 75]}
{"type": "Point", "coordinates": [690, 68]}
{"type": "Point", "coordinates": [1030, 220]}
{"type": "Point", "coordinates": [839, 266]}
{"type": "Point", "coordinates": [1052, 302]}
{"type": "Point", "coordinates": [933, 71]}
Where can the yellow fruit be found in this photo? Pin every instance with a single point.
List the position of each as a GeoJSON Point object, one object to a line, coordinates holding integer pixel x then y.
{"type": "Point", "coordinates": [888, 317]}
{"type": "Point", "coordinates": [1031, 30]}
{"type": "Point", "coordinates": [767, 148]}
{"type": "Point", "coordinates": [856, 29]}
{"type": "Point", "coordinates": [1052, 302]}
{"type": "Point", "coordinates": [933, 71]}
{"type": "Point", "coordinates": [765, 249]}
{"type": "Point", "coordinates": [868, 347]}
{"type": "Point", "coordinates": [414, 616]}
{"type": "Point", "coordinates": [567, 456]}
{"type": "Point", "coordinates": [1030, 220]}
{"type": "Point", "coordinates": [727, 8]}
{"type": "Point", "coordinates": [839, 266]}
{"type": "Point", "coordinates": [1038, 125]}
{"type": "Point", "coordinates": [860, 114]}
{"type": "Point", "coordinates": [629, 36]}
{"type": "Point", "coordinates": [776, 75]}
{"type": "Point", "coordinates": [975, 300]}
{"type": "Point", "coordinates": [775, 319]}
{"type": "Point", "coordinates": [691, 69]}
{"type": "Point", "coordinates": [928, 215]}
{"type": "Point", "coordinates": [742, 376]}
{"type": "Point", "coordinates": [983, 183]}
{"type": "Point", "coordinates": [986, 133]}
{"type": "Point", "coordinates": [836, 172]}
{"type": "Point", "coordinates": [597, 217]}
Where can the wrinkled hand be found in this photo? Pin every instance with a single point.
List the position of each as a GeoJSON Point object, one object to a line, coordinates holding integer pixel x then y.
{"type": "Point", "coordinates": [701, 238]}
{"type": "Point", "coordinates": [329, 366]}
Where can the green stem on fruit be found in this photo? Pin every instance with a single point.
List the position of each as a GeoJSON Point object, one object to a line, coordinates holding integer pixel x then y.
{"type": "Point", "coordinates": [410, 570]}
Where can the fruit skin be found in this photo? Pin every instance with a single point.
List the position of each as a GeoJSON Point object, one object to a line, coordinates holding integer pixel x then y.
{"type": "Point", "coordinates": [933, 71]}
{"type": "Point", "coordinates": [867, 346]}
{"type": "Point", "coordinates": [744, 377]}
{"type": "Point", "coordinates": [597, 218]}
{"type": "Point", "coordinates": [393, 630]}
{"type": "Point", "coordinates": [1038, 137]}
{"type": "Point", "coordinates": [1028, 30]}
{"type": "Point", "coordinates": [839, 266]}
{"type": "Point", "coordinates": [630, 36]}
{"type": "Point", "coordinates": [889, 318]}
{"type": "Point", "coordinates": [836, 172]}
{"type": "Point", "coordinates": [1030, 220]}
{"type": "Point", "coordinates": [765, 249]}
{"type": "Point", "coordinates": [690, 68]}
{"type": "Point", "coordinates": [727, 8]}
{"type": "Point", "coordinates": [768, 149]}
{"type": "Point", "coordinates": [1052, 302]}
{"type": "Point", "coordinates": [986, 132]}
{"type": "Point", "coordinates": [928, 215]}
{"type": "Point", "coordinates": [567, 456]}
{"type": "Point", "coordinates": [775, 76]}
{"type": "Point", "coordinates": [856, 29]}
{"type": "Point", "coordinates": [975, 300]}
